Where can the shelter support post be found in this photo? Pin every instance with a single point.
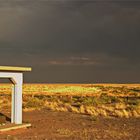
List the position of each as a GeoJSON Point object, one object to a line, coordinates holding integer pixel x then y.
{"type": "Point", "coordinates": [16, 114]}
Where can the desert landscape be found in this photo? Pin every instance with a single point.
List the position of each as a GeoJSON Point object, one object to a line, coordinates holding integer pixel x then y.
{"type": "Point", "coordinates": [76, 111]}
{"type": "Point", "coordinates": [66, 60]}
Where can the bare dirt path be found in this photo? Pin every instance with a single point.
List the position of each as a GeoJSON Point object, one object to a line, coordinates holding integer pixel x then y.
{"type": "Point", "coordinates": [49, 125]}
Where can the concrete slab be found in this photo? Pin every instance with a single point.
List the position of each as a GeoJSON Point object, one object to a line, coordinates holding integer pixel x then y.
{"type": "Point", "coordinates": [11, 126]}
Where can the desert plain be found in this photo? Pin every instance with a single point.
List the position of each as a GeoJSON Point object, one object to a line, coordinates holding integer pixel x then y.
{"type": "Point", "coordinates": [75, 112]}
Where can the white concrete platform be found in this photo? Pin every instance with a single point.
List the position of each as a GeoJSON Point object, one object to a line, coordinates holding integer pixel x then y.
{"type": "Point", "coordinates": [11, 126]}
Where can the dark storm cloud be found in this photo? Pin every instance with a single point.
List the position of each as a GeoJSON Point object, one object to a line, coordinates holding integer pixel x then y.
{"type": "Point", "coordinates": [62, 33]}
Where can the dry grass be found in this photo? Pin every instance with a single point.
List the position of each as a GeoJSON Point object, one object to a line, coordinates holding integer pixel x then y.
{"type": "Point", "coordinates": [122, 90]}
{"type": "Point", "coordinates": [95, 100]}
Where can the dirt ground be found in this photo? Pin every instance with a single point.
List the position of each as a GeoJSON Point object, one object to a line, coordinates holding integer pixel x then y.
{"type": "Point", "coordinates": [50, 125]}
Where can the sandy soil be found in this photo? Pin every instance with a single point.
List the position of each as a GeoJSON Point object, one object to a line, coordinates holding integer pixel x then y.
{"type": "Point", "coordinates": [49, 125]}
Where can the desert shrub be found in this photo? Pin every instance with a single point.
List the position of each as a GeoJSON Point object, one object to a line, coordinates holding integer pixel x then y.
{"type": "Point", "coordinates": [91, 101]}
{"type": "Point", "coordinates": [131, 108]}
{"type": "Point", "coordinates": [76, 98]}
{"type": "Point", "coordinates": [114, 99]}
{"type": "Point", "coordinates": [34, 103]}
{"type": "Point", "coordinates": [65, 99]}
{"type": "Point", "coordinates": [104, 98]}
{"type": "Point", "coordinates": [88, 101]}
{"type": "Point", "coordinates": [135, 102]}
{"type": "Point", "coordinates": [52, 98]}
{"type": "Point", "coordinates": [40, 97]}
{"type": "Point", "coordinates": [135, 89]}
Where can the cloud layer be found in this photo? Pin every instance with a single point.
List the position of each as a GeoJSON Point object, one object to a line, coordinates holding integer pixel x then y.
{"type": "Point", "coordinates": [68, 39]}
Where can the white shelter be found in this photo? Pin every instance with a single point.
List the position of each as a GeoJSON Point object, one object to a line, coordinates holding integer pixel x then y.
{"type": "Point", "coordinates": [15, 74]}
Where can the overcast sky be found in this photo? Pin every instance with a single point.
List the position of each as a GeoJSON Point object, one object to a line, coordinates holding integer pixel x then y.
{"type": "Point", "coordinates": [72, 40]}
